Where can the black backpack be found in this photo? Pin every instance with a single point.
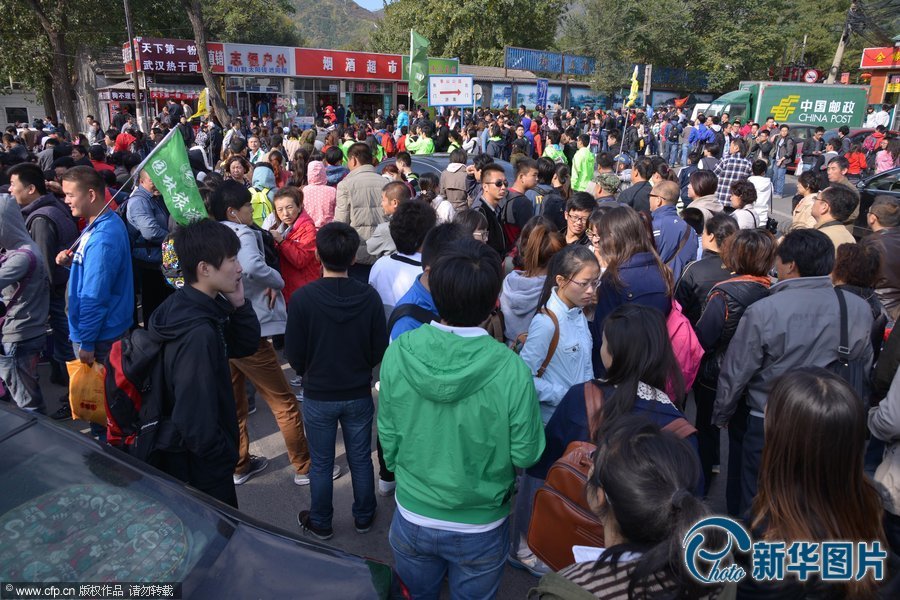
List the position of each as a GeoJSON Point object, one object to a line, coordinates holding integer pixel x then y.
{"type": "Point", "coordinates": [269, 248]}
{"type": "Point", "coordinates": [136, 420]}
{"type": "Point", "coordinates": [719, 138]}
{"type": "Point", "coordinates": [673, 132]}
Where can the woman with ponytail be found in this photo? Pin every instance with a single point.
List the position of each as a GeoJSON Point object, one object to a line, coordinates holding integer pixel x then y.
{"type": "Point", "coordinates": [640, 489]}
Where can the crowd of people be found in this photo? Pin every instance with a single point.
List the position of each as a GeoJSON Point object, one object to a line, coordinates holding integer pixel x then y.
{"type": "Point", "coordinates": [558, 282]}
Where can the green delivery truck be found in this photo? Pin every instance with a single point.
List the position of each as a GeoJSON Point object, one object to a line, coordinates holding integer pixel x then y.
{"type": "Point", "coordinates": [815, 104]}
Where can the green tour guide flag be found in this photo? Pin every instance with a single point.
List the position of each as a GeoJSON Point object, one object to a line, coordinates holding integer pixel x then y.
{"type": "Point", "coordinates": [171, 173]}
{"type": "Point", "coordinates": [418, 66]}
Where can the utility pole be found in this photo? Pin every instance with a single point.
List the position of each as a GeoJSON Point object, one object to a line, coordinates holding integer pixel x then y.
{"type": "Point", "coordinates": [842, 44]}
{"type": "Point", "coordinates": [139, 113]}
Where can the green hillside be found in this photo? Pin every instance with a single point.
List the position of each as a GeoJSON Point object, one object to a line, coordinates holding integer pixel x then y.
{"type": "Point", "coordinates": [340, 24]}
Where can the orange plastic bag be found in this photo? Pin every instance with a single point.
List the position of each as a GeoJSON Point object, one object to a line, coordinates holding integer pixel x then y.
{"type": "Point", "coordinates": [87, 396]}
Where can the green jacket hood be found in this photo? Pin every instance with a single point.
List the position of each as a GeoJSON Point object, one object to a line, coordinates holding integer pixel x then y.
{"type": "Point", "coordinates": [445, 367]}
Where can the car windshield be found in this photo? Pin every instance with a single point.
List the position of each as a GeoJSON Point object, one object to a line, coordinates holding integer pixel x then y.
{"type": "Point", "coordinates": [71, 513]}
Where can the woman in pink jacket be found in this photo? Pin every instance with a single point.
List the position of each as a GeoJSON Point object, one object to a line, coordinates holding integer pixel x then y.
{"type": "Point", "coordinates": [319, 198]}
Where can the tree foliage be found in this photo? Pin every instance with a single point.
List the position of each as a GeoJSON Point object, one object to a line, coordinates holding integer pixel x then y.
{"type": "Point", "coordinates": [252, 22]}
{"type": "Point", "coordinates": [475, 31]}
{"type": "Point", "coordinates": [729, 40]}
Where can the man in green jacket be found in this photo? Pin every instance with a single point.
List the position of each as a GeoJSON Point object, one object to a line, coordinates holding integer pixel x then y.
{"type": "Point", "coordinates": [582, 164]}
{"type": "Point", "coordinates": [423, 144]}
{"type": "Point", "coordinates": [457, 414]}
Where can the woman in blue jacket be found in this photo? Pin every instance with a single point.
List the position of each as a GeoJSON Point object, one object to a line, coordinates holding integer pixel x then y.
{"type": "Point", "coordinates": [640, 365]}
{"type": "Point", "coordinates": [632, 270]}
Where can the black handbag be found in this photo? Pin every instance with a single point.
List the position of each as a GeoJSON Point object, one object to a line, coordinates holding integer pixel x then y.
{"type": "Point", "coordinates": [853, 371]}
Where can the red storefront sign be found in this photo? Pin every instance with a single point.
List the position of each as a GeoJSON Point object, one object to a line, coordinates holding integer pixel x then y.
{"type": "Point", "coordinates": [880, 58]}
{"type": "Point", "coordinates": [339, 64]}
{"type": "Point", "coordinates": [162, 55]}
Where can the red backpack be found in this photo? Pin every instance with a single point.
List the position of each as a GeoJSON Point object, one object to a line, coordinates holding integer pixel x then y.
{"type": "Point", "coordinates": [389, 145]}
{"type": "Point", "coordinates": [135, 396]}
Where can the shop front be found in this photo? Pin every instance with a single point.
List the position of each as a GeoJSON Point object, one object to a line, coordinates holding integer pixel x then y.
{"type": "Point", "coordinates": [121, 95]}
{"type": "Point", "coordinates": [883, 64]}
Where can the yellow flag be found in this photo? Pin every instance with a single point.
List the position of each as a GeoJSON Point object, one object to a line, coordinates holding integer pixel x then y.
{"type": "Point", "coordinates": [632, 96]}
{"type": "Point", "coordinates": [202, 108]}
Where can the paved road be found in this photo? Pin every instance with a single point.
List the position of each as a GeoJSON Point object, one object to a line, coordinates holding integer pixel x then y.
{"type": "Point", "coordinates": [273, 498]}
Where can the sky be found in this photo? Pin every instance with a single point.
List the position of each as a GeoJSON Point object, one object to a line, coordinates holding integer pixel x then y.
{"type": "Point", "coordinates": [371, 4]}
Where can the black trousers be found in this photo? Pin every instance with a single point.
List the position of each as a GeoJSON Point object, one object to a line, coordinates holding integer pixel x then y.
{"type": "Point", "coordinates": [707, 433]}
{"type": "Point", "coordinates": [153, 289]}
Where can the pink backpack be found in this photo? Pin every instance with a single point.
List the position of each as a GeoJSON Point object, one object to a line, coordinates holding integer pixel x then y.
{"type": "Point", "coordinates": [685, 344]}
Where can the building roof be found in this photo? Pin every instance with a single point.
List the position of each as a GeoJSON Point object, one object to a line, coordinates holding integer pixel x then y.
{"type": "Point", "coordinates": [501, 74]}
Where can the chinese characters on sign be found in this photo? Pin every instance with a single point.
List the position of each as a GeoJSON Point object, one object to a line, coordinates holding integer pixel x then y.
{"type": "Point", "coordinates": [258, 60]}
{"type": "Point", "coordinates": [171, 56]}
{"type": "Point", "coordinates": [454, 90]}
{"type": "Point", "coordinates": [350, 65]}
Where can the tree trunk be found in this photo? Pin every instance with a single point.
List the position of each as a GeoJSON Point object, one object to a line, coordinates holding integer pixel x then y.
{"type": "Point", "coordinates": [62, 80]}
{"type": "Point", "coordinates": [59, 62]}
{"type": "Point", "coordinates": [214, 98]}
{"type": "Point", "coordinates": [86, 86]}
{"type": "Point", "coordinates": [47, 96]}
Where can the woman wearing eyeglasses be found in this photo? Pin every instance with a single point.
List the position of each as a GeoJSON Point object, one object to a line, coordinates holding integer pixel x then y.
{"type": "Point", "coordinates": [558, 352]}
{"type": "Point", "coordinates": [632, 270]}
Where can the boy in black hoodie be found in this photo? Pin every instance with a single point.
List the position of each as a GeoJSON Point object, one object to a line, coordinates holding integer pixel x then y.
{"type": "Point", "coordinates": [336, 335]}
{"type": "Point", "coordinates": [202, 325]}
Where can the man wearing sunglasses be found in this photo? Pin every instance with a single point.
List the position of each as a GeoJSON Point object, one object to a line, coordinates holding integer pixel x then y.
{"type": "Point", "coordinates": [494, 188]}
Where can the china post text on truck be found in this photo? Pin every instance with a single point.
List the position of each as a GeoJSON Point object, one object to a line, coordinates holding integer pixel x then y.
{"type": "Point", "coordinates": [815, 104]}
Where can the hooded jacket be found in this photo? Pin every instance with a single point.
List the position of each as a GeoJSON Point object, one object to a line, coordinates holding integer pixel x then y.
{"type": "Point", "coordinates": [200, 335]}
{"type": "Point", "coordinates": [258, 277]}
{"type": "Point", "coordinates": [319, 198]}
{"type": "Point", "coordinates": [456, 415]}
{"type": "Point", "coordinates": [453, 186]}
{"type": "Point", "coordinates": [101, 285]}
{"type": "Point", "coordinates": [571, 363]}
{"type": "Point", "coordinates": [336, 335]}
{"type": "Point", "coordinates": [518, 302]}
{"type": "Point", "coordinates": [27, 318]}
{"type": "Point", "coordinates": [335, 174]}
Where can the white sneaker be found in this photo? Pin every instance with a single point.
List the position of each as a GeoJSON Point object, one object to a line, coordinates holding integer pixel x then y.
{"type": "Point", "coordinates": [296, 381]}
{"type": "Point", "coordinates": [303, 478]}
{"type": "Point", "coordinates": [529, 562]}
{"type": "Point", "coordinates": [386, 488]}
{"type": "Point", "coordinates": [299, 396]}
{"type": "Point", "coordinates": [257, 464]}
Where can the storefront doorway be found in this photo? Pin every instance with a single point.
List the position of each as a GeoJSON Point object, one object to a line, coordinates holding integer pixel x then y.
{"type": "Point", "coordinates": [367, 105]}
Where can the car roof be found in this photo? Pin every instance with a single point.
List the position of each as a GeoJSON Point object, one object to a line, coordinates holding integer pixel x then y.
{"type": "Point", "coordinates": [437, 163]}
{"type": "Point", "coordinates": [93, 504]}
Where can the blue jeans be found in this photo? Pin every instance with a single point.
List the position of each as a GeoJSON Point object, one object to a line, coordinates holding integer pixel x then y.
{"type": "Point", "coordinates": [101, 353]}
{"type": "Point", "coordinates": [59, 323]}
{"type": "Point", "coordinates": [778, 174]}
{"type": "Point", "coordinates": [685, 150]}
{"type": "Point", "coordinates": [321, 419]}
{"type": "Point", "coordinates": [18, 370]}
{"type": "Point", "coordinates": [423, 556]}
{"type": "Point", "coordinates": [674, 151]}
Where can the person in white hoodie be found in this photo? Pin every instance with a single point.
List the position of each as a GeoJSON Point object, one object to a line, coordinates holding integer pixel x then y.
{"type": "Point", "coordinates": [539, 241]}
{"type": "Point", "coordinates": [230, 205]}
{"type": "Point", "coordinates": [764, 188]}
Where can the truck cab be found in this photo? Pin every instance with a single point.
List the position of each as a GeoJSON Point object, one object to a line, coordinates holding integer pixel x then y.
{"type": "Point", "coordinates": [737, 104]}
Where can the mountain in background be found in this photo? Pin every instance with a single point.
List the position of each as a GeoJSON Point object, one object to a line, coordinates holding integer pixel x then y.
{"type": "Point", "coordinates": [339, 24]}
